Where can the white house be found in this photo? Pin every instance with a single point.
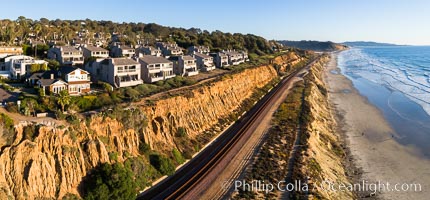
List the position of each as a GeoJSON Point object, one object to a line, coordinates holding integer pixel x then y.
{"type": "Point", "coordinates": [148, 50]}
{"type": "Point", "coordinates": [156, 68]}
{"type": "Point", "coordinates": [118, 51]}
{"type": "Point", "coordinates": [185, 66]}
{"type": "Point", "coordinates": [119, 72]}
{"type": "Point", "coordinates": [66, 55]}
{"type": "Point", "coordinates": [19, 66]}
{"type": "Point", "coordinates": [204, 62]}
{"type": "Point", "coordinates": [92, 51]}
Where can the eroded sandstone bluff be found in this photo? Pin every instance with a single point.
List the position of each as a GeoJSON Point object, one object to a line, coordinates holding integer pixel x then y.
{"type": "Point", "coordinates": [321, 160]}
{"type": "Point", "coordinates": [52, 162]}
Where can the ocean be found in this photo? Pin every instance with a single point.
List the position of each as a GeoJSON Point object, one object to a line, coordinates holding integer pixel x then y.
{"type": "Point", "coordinates": [396, 80]}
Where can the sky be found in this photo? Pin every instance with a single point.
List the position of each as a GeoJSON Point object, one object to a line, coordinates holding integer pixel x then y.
{"type": "Point", "coordinates": [391, 21]}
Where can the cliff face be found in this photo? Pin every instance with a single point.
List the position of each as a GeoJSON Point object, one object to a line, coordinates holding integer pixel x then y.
{"type": "Point", "coordinates": [202, 108]}
{"type": "Point", "coordinates": [54, 162]}
{"type": "Point", "coordinates": [49, 161]}
{"type": "Point", "coordinates": [322, 160]}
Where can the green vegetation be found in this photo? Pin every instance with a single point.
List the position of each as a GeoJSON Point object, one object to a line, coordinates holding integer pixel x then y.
{"type": "Point", "coordinates": [182, 132]}
{"type": "Point", "coordinates": [7, 129]}
{"type": "Point", "coordinates": [38, 51]}
{"type": "Point", "coordinates": [162, 163]}
{"type": "Point", "coordinates": [144, 172]}
{"type": "Point", "coordinates": [44, 28]}
{"type": "Point", "coordinates": [30, 132]}
{"type": "Point", "coordinates": [63, 99]}
{"type": "Point", "coordinates": [110, 182]}
{"type": "Point", "coordinates": [313, 45]}
{"type": "Point", "coordinates": [269, 164]}
{"type": "Point", "coordinates": [178, 156]}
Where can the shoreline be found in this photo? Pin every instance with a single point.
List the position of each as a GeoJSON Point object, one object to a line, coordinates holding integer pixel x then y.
{"type": "Point", "coordinates": [372, 153]}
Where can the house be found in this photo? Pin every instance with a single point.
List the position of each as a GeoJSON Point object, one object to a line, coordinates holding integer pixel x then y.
{"type": "Point", "coordinates": [148, 50]}
{"type": "Point", "coordinates": [66, 55]}
{"type": "Point", "coordinates": [220, 59]}
{"type": "Point", "coordinates": [20, 66]}
{"type": "Point", "coordinates": [245, 56]}
{"type": "Point", "coordinates": [118, 51]}
{"type": "Point", "coordinates": [78, 80]}
{"type": "Point", "coordinates": [198, 49]}
{"type": "Point", "coordinates": [10, 51]}
{"type": "Point", "coordinates": [32, 79]}
{"type": "Point", "coordinates": [170, 49]}
{"type": "Point", "coordinates": [234, 57]}
{"type": "Point", "coordinates": [156, 68]}
{"type": "Point", "coordinates": [92, 51]}
{"type": "Point", "coordinates": [52, 85]}
{"type": "Point", "coordinates": [185, 66]}
{"type": "Point", "coordinates": [204, 62]}
{"type": "Point", "coordinates": [119, 72]}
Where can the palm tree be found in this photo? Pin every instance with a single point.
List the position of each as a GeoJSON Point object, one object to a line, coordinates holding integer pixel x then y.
{"type": "Point", "coordinates": [63, 99]}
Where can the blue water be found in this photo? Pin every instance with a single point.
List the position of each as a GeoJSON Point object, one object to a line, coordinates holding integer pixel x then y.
{"type": "Point", "coordinates": [396, 80]}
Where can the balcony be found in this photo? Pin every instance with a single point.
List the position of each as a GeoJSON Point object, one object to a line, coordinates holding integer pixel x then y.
{"type": "Point", "coordinates": [130, 83]}
{"type": "Point", "coordinates": [155, 79]}
{"type": "Point", "coordinates": [191, 73]}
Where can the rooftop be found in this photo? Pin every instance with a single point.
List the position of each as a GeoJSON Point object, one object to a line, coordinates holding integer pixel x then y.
{"type": "Point", "coordinates": [187, 58]}
{"type": "Point", "coordinates": [93, 48]}
{"type": "Point", "coordinates": [124, 61]}
{"type": "Point", "coordinates": [201, 55]}
{"type": "Point", "coordinates": [153, 59]}
{"type": "Point", "coordinates": [68, 49]}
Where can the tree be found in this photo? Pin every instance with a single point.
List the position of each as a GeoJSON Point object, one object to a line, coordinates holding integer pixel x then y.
{"type": "Point", "coordinates": [110, 182]}
{"type": "Point", "coordinates": [53, 64]}
{"type": "Point", "coordinates": [63, 99]}
{"type": "Point", "coordinates": [162, 163]}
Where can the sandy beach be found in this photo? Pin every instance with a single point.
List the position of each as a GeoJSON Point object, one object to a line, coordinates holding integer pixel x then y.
{"type": "Point", "coordinates": [370, 140]}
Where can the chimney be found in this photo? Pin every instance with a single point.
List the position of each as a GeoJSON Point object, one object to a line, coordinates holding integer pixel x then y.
{"type": "Point", "coordinates": [52, 76]}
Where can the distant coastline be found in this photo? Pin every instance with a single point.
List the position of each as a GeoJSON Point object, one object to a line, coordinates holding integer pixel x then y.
{"type": "Point", "coordinates": [369, 44]}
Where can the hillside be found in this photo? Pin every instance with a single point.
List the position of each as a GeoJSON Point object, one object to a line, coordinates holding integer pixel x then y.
{"type": "Point", "coordinates": [367, 44]}
{"type": "Point", "coordinates": [313, 45]}
{"type": "Point", "coordinates": [23, 31]}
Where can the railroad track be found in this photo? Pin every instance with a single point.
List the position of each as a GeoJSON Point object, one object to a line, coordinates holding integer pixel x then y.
{"type": "Point", "coordinates": [184, 180]}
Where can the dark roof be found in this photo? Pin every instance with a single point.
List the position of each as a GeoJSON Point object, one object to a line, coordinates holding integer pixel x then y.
{"type": "Point", "coordinates": [36, 75]}
{"type": "Point", "coordinates": [67, 69]}
{"type": "Point", "coordinates": [153, 59]}
{"type": "Point", "coordinates": [48, 82]}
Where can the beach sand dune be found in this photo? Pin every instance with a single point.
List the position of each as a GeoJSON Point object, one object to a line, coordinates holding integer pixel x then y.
{"type": "Point", "coordinates": [371, 143]}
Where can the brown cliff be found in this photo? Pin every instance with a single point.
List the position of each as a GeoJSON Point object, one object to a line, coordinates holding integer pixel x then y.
{"type": "Point", "coordinates": [49, 161]}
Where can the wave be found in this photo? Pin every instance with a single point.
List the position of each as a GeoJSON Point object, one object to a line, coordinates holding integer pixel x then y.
{"type": "Point", "coordinates": [400, 74]}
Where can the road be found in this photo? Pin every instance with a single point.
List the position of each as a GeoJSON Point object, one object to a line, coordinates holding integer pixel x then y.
{"type": "Point", "coordinates": [191, 180]}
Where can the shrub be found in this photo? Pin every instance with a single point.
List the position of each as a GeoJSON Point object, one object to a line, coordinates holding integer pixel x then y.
{"type": "Point", "coordinates": [178, 156]}
{"type": "Point", "coordinates": [110, 182]}
{"type": "Point", "coordinates": [144, 148]}
{"type": "Point", "coordinates": [182, 132]}
{"type": "Point", "coordinates": [162, 163]}
{"type": "Point", "coordinates": [30, 132]}
{"type": "Point", "coordinates": [6, 121]}
{"type": "Point", "coordinates": [144, 172]}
